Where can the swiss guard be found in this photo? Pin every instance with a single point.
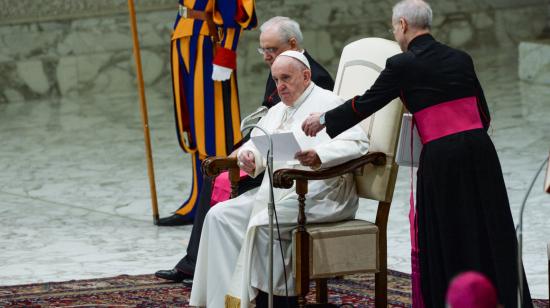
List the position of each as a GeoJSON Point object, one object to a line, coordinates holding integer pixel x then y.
{"type": "Point", "coordinates": [206, 102]}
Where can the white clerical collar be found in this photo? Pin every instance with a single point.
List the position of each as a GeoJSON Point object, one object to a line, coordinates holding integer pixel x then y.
{"type": "Point", "coordinates": [302, 97]}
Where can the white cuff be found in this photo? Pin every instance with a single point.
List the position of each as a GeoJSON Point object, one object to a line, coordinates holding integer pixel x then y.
{"type": "Point", "coordinates": [221, 73]}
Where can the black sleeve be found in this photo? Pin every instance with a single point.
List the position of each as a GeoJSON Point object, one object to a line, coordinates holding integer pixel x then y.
{"type": "Point", "coordinates": [386, 87]}
{"type": "Point", "coordinates": [482, 105]}
{"type": "Point", "coordinates": [341, 118]}
{"type": "Point", "coordinates": [319, 75]}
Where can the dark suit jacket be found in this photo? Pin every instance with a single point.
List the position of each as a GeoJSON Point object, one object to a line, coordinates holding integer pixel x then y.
{"type": "Point", "coordinates": [428, 73]}
{"type": "Point", "coordinates": [319, 76]}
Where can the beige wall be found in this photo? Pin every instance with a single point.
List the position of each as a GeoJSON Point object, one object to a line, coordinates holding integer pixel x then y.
{"type": "Point", "coordinates": [73, 48]}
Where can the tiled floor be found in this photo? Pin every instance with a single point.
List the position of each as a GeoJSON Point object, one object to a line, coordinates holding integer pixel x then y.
{"type": "Point", "coordinates": [74, 194]}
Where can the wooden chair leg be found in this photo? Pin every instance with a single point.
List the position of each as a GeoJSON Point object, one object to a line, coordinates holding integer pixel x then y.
{"type": "Point", "coordinates": [381, 278]}
{"type": "Point", "coordinates": [302, 247]}
{"type": "Point", "coordinates": [381, 288]}
{"type": "Point", "coordinates": [302, 268]}
{"type": "Point", "coordinates": [321, 291]}
{"type": "Point", "coordinates": [234, 177]}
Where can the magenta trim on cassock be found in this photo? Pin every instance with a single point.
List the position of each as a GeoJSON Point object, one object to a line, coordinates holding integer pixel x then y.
{"type": "Point", "coordinates": [417, 299]}
{"type": "Point", "coordinates": [221, 189]}
{"type": "Point", "coordinates": [448, 118]}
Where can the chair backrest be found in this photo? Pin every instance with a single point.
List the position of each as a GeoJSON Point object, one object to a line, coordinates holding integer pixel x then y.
{"type": "Point", "coordinates": [360, 64]}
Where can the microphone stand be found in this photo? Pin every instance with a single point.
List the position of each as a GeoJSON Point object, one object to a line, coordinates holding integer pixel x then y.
{"type": "Point", "coordinates": [260, 112]}
{"type": "Point", "coordinates": [270, 208]}
{"type": "Point", "coordinates": [519, 231]}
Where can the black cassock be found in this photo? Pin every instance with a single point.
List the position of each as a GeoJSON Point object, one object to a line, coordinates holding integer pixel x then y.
{"type": "Point", "coordinates": [463, 214]}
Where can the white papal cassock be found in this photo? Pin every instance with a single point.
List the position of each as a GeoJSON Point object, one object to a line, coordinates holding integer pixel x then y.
{"type": "Point", "coordinates": [233, 251]}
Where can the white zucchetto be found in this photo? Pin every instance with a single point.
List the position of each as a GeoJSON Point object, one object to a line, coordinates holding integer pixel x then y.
{"type": "Point", "coordinates": [296, 55]}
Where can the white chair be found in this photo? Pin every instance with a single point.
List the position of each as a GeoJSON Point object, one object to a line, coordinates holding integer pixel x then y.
{"type": "Point", "coordinates": [323, 251]}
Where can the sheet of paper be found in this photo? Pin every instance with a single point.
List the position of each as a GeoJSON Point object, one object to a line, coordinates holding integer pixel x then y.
{"type": "Point", "coordinates": [285, 145]}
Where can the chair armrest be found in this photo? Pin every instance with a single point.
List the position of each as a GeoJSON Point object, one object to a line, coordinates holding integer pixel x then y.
{"type": "Point", "coordinates": [213, 166]}
{"type": "Point", "coordinates": [284, 178]}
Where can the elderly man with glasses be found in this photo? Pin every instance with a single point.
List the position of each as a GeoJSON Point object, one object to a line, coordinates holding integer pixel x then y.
{"type": "Point", "coordinates": [277, 35]}
{"type": "Point", "coordinates": [280, 34]}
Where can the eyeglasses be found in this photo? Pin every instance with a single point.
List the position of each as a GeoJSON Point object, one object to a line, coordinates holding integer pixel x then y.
{"type": "Point", "coordinates": [269, 50]}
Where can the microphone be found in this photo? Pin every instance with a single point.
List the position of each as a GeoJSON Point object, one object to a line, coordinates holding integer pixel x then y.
{"type": "Point", "coordinates": [519, 233]}
{"type": "Point", "coordinates": [271, 204]}
{"type": "Point", "coordinates": [260, 112]}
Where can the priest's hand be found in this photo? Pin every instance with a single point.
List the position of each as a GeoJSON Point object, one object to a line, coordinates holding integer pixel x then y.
{"type": "Point", "coordinates": [311, 125]}
{"type": "Point", "coordinates": [246, 162]}
{"type": "Point", "coordinates": [308, 158]}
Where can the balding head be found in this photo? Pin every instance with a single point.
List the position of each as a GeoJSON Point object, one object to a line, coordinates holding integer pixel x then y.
{"type": "Point", "coordinates": [410, 19]}
{"type": "Point", "coordinates": [417, 13]}
{"type": "Point", "coordinates": [291, 76]}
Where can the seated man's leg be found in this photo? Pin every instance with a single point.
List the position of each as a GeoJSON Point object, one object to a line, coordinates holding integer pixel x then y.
{"type": "Point", "coordinates": [249, 183]}
{"type": "Point", "coordinates": [186, 266]}
{"type": "Point", "coordinates": [260, 263]}
{"type": "Point", "coordinates": [287, 212]}
{"type": "Point", "coordinates": [222, 236]}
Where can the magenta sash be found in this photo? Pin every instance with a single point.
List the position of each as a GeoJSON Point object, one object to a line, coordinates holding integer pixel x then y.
{"type": "Point", "coordinates": [448, 118]}
{"type": "Point", "coordinates": [221, 189]}
{"type": "Point", "coordinates": [433, 123]}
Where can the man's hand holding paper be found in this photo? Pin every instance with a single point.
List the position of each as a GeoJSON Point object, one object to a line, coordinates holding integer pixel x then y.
{"type": "Point", "coordinates": [285, 145]}
{"type": "Point", "coordinates": [308, 158]}
{"type": "Point", "coordinates": [286, 148]}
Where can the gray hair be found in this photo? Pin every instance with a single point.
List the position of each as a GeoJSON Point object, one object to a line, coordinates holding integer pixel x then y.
{"type": "Point", "coordinates": [417, 13]}
{"type": "Point", "coordinates": [286, 27]}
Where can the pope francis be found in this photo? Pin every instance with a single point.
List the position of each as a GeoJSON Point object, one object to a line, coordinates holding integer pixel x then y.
{"type": "Point", "coordinates": [232, 262]}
